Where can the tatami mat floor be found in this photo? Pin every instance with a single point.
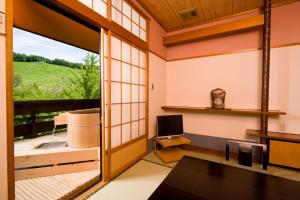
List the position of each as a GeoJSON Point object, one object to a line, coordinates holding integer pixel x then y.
{"type": "Point", "coordinates": [136, 183]}
{"type": "Point", "coordinates": [140, 181]}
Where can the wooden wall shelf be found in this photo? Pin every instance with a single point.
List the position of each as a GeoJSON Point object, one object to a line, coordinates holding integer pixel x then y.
{"type": "Point", "coordinates": [275, 135]}
{"type": "Point", "coordinates": [227, 110]}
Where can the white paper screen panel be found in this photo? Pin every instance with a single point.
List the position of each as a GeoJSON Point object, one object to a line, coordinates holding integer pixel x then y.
{"type": "Point", "coordinates": [115, 92]}
{"type": "Point", "coordinates": [115, 114]}
{"type": "Point", "coordinates": [99, 6]}
{"type": "Point", "coordinates": [135, 29]}
{"type": "Point", "coordinates": [135, 74]}
{"type": "Point", "coordinates": [135, 17]}
{"type": "Point", "coordinates": [126, 10]}
{"type": "Point", "coordinates": [128, 91]}
{"type": "Point", "coordinates": [135, 129]}
{"type": "Point", "coordinates": [142, 93]}
{"type": "Point", "coordinates": [115, 136]}
{"type": "Point", "coordinates": [142, 59]}
{"type": "Point", "coordinates": [116, 16]}
{"type": "Point", "coordinates": [142, 34]}
{"type": "Point", "coordinates": [116, 48]}
{"type": "Point", "coordinates": [115, 70]}
{"type": "Point", "coordinates": [88, 3]}
{"type": "Point", "coordinates": [126, 133]}
{"type": "Point", "coordinates": [142, 76]}
{"type": "Point", "coordinates": [142, 23]}
{"type": "Point", "coordinates": [142, 111]}
{"type": "Point", "coordinates": [117, 4]}
{"type": "Point", "coordinates": [126, 72]}
{"type": "Point", "coordinates": [135, 56]}
{"type": "Point", "coordinates": [135, 93]}
{"type": "Point", "coordinates": [126, 23]}
{"type": "Point", "coordinates": [126, 113]}
{"type": "Point", "coordinates": [127, 17]}
{"type": "Point", "coordinates": [135, 111]}
{"type": "Point", "coordinates": [126, 52]}
{"type": "Point", "coordinates": [142, 127]}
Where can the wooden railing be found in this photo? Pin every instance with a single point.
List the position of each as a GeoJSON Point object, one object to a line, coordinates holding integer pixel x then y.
{"type": "Point", "coordinates": [35, 117]}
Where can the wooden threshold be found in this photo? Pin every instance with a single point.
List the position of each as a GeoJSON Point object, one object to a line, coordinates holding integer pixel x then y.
{"type": "Point", "coordinates": [44, 159]}
{"type": "Point", "coordinates": [56, 170]}
{"type": "Point", "coordinates": [90, 191]}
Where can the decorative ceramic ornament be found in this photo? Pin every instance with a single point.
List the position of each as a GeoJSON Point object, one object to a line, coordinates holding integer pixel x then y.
{"type": "Point", "coordinates": [218, 98]}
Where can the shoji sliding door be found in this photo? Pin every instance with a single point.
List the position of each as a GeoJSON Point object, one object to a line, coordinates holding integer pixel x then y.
{"type": "Point", "coordinates": [124, 94]}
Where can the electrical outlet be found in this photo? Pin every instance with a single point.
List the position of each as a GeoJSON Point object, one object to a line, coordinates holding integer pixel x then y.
{"type": "Point", "coordinates": [2, 23]}
{"type": "Point", "coordinates": [152, 86]}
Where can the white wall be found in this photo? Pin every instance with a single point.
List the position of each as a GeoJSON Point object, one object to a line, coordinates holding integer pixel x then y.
{"type": "Point", "coordinates": [285, 88]}
{"type": "Point", "coordinates": [190, 81]}
{"type": "Point", "coordinates": [157, 94]}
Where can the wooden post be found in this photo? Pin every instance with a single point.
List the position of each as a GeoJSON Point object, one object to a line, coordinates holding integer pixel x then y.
{"type": "Point", "coordinates": [265, 68]}
{"type": "Point", "coordinates": [34, 132]}
{"type": "Point", "coordinates": [7, 173]}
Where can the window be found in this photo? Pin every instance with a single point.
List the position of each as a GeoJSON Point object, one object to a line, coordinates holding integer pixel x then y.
{"type": "Point", "coordinates": [127, 17]}
{"type": "Point", "coordinates": [99, 6]}
{"type": "Point", "coordinates": [128, 92]}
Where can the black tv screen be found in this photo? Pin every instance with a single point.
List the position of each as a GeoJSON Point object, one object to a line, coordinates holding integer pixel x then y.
{"type": "Point", "coordinates": [169, 125]}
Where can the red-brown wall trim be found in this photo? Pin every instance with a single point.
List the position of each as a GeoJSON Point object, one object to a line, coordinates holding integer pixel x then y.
{"type": "Point", "coordinates": [154, 53]}
{"type": "Point", "coordinates": [233, 52]}
{"type": "Point", "coordinates": [284, 30]}
{"type": "Point", "coordinates": [156, 33]}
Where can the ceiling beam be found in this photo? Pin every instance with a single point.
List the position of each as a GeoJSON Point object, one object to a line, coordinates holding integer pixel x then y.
{"type": "Point", "coordinates": [229, 27]}
{"type": "Point", "coordinates": [82, 12]}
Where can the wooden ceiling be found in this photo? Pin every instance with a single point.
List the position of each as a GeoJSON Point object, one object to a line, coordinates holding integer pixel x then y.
{"type": "Point", "coordinates": [167, 12]}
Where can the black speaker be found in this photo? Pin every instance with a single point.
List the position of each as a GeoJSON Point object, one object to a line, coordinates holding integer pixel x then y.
{"type": "Point", "coordinates": [245, 156]}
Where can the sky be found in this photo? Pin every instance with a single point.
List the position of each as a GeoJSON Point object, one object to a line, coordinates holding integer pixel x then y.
{"type": "Point", "coordinates": [32, 44]}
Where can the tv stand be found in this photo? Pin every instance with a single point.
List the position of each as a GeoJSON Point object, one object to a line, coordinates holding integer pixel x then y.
{"type": "Point", "coordinates": [168, 149]}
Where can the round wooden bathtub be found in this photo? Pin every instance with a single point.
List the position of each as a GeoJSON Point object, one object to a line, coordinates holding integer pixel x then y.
{"type": "Point", "coordinates": [84, 128]}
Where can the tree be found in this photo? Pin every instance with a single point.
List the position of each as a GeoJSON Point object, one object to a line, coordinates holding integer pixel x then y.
{"type": "Point", "coordinates": [17, 81]}
{"type": "Point", "coordinates": [86, 84]}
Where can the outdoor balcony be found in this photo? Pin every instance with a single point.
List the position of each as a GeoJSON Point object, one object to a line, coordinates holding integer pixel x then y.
{"type": "Point", "coordinates": [45, 166]}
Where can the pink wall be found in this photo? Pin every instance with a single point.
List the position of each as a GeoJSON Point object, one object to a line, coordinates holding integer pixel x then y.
{"type": "Point", "coordinates": [156, 33]}
{"type": "Point", "coordinates": [190, 81]}
{"type": "Point", "coordinates": [285, 29]}
{"type": "Point", "coordinates": [239, 74]}
{"type": "Point", "coordinates": [157, 91]}
{"type": "Point", "coordinates": [3, 120]}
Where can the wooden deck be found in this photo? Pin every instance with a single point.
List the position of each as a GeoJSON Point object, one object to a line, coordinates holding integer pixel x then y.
{"type": "Point", "coordinates": [54, 187]}
{"type": "Point", "coordinates": [33, 162]}
{"type": "Point", "coordinates": [29, 146]}
{"type": "Point", "coordinates": [53, 172]}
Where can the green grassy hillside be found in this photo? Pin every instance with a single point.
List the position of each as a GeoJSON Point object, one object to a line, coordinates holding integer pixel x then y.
{"type": "Point", "coordinates": [43, 74]}
{"type": "Point", "coordinates": [41, 81]}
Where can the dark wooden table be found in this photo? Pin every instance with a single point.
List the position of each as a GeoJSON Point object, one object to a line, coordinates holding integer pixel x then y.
{"type": "Point", "coordinates": [196, 179]}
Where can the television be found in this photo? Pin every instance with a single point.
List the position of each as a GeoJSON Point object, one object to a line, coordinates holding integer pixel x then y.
{"type": "Point", "coordinates": [169, 126]}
